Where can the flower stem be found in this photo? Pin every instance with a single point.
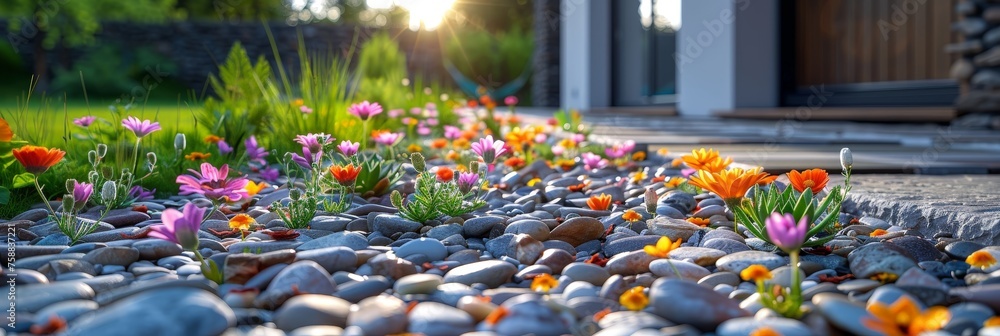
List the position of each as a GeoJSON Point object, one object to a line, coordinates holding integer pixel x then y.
{"type": "Point", "coordinates": [732, 204]}
{"type": "Point", "coordinates": [796, 293]}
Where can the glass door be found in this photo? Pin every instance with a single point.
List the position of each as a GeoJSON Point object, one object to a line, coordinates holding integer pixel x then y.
{"type": "Point", "coordinates": [644, 71]}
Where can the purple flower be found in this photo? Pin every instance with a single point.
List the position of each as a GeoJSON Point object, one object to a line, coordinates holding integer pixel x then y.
{"type": "Point", "coordinates": [614, 152]}
{"type": "Point", "coordinates": [269, 174]}
{"type": "Point", "coordinates": [431, 106]}
{"type": "Point", "coordinates": [139, 194]}
{"type": "Point", "coordinates": [466, 181]}
{"type": "Point", "coordinates": [305, 109]}
{"type": "Point", "coordinates": [784, 232]}
{"type": "Point", "coordinates": [388, 138]}
{"type": "Point", "coordinates": [84, 121]}
{"type": "Point", "coordinates": [395, 113]}
{"type": "Point", "coordinates": [213, 184]}
{"type": "Point", "coordinates": [432, 121]}
{"type": "Point", "coordinates": [416, 111]}
{"type": "Point", "coordinates": [180, 227]}
{"type": "Point", "coordinates": [593, 161]}
{"type": "Point", "coordinates": [255, 153]}
{"type": "Point", "coordinates": [140, 128]}
{"type": "Point", "coordinates": [307, 158]}
{"type": "Point", "coordinates": [452, 132]}
{"type": "Point", "coordinates": [578, 138]}
{"type": "Point", "coordinates": [628, 146]}
{"type": "Point", "coordinates": [314, 142]}
{"type": "Point", "coordinates": [81, 193]}
{"type": "Point", "coordinates": [541, 137]}
{"type": "Point", "coordinates": [687, 172]}
{"type": "Point", "coordinates": [488, 149]}
{"type": "Point", "coordinates": [365, 110]}
{"type": "Point", "coordinates": [224, 148]}
{"type": "Point", "coordinates": [510, 100]}
{"type": "Point", "coordinates": [349, 148]}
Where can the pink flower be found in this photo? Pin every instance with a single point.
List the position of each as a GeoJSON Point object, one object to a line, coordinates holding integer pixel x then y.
{"type": "Point", "coordinates": [365, 110]}
{"type": "Point", "coordinates": [139, 194]}
{"type": "Point", "coordinates": [406, 120]}
{"type": "Point", "coordinates": [467, 181]}
{"type": "Point", "coordinates": [687, 172]}
{"type": "Point", "coordinates": [255, 153]}
{"type": "Point", "coordinates": [395, 113]}
{"type": "Point", "coordinates": [314, 142]}
{"type": "Point", "coordinates": [140, 128]}
{"type": "Point", "coordinates": [180, 227]}
{"type": "Point", "coordinates": [84, 121]}
{"type": "Point", "coordinates": [431, 106]}
{"type": "Point", "coordinates": [416, 111]}
{"type": "Point", "coordinates": [452, 132]}
{"type": "Point", "coordinates": [593, 161]}
{"type": "Point", "coordinates": [224, 148]}
{"type": "Point", "coordinates": [423, 130]}
{"type": "Point", "coordinates": [81, 194]}
{"type": "Point", "coordinates": [578, 138]}
{"type": "Point", "coordinates": [614, 152]}
{"type": "Point", "coordinates": [785, 232]}
{"type": "Point", "coordinates": [432, 121]}
{"type": "Point", "coordinates": [305, 109]}
{"type": "Point", "coordinates": [307, 158]}
{"type": "Point", "coordinates": [558, 150]}
{"type": "Point", "coordinates": [541, 137]}
{"type": "Point", "coordinates": [213, 184]}
{"type": "Point", "coordinates": [488, 149]}
{"type": "Point", "coordinates": [387, 138]}
{"type": "Point", "coordinates": [628, 146]}
{"type": "Point", "coordinates": [349, 148]}
{"type": "Point", "coordinates": [510, 100]}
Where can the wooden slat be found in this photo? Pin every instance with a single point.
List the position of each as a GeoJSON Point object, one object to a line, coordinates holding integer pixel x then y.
{"type": "Point", "coordinates": [871, 114]}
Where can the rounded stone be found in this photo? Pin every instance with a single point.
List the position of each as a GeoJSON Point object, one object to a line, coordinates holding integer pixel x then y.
{"type": "Point", "coordinates": [418, 284]}
{"type": "Point", "coordinates": [738, 261]}
{"type": "Point", "coordinates": [685, 302]}
{"type": "Point", "coordinates": [492, 273]}
{"type": "Point", "coordinates": [578, 230]}
{"type": "Point", "coordinates": [432, 248]}
{"type": "Point", "coordinates": [312, 309]}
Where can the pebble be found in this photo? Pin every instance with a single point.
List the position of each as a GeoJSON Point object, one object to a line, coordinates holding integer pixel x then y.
{"type": "Point", "coordinates": [333, 259]}
{"type": "Point", "coordinates": [491, 273]}
{"type": "Point", "coordinates": [352, 240]}
{"type": "Point", "coordinates": [114, 255]}
{"type": "Point", "coordinates": [301, 277]}
{"type": "Point", "coordinates": [700, 255]}
{"type": "Point", "coordinates": [685, 302]}
{"type": "Point", "coordinates": [312, 309]}
{"type": "Point", "coordinates": [671, 268]}
{"type": "Point", "coordinates": [432, 318]}
{"type": "Point", "coordinates": [155, 249]}
{"type": "Point", "coordinates": [875, 258]}
{"type": "Point", "coordinates": [593, 274]}
{"type": "Point", "coordinates": [578, 230]}
{"type": "Point", "coordinates": [430, 247]}
{"type": "Point", "coordinates": [630, 263]}
{"type": "Point", "coordinates": [738, 261]}
{"type": "Point", "coordinates": [534, 228]}
{"type": "Point", "coordinates": [418, 284]}
{"type": "Point", "coordinates": [672, 228]}
{"type": "Point", "coordinates": [157, 312]}
{"type": "Point", "coordinates": [379, 315]}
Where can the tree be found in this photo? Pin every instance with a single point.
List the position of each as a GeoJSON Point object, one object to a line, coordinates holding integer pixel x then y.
{"type": "Point", "coordinates": [43, 25]}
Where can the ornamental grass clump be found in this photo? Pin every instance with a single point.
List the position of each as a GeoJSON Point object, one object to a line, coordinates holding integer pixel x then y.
{"type": "Point", "coordinates": [118, 177]}
{"type": "Point", "coordinates": [435, 195]}
{"type": "Point", "coordinates": [798, 201]}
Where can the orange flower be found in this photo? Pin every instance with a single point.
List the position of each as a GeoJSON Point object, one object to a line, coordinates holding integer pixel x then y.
{"type": "Point", "coordinates": [452, 155]}
{"type": "Point", "coordinates": [413, 148]}
{"type": "Point", "coordinates": [566, 164]}
{"type": "Point", "coordinates": [639, 156]}
{"type": "Point", "coordinates": [6, 134]}
{"type": "Point", "coordinates": [706, 159]}
{"type": "Point", "coordinates": [242, 222]}
{"type": "Point", "coordinates": [439, 143]}
{"type": "Point", "coordinates": [674, 182]}
{"type": "Point", "coordinates": [345, 174]}
{"type": "Point", "coordinates": [765, 331]}
{"type": "Point", "coordinates": [905, 315]}
{"type": "Point", "coordinates": [631, 216]}
{"type": "Point", "coordinates": [37, 159]}
{"type": "Point", "coordinates": [498, 314]}
{"type": "Point", "coordinates": [599, 202]}
{"type": "Point", "coordinates": [253, 188]}
{"type": "Point", "coordinates": [699, 221]}
{"type": "Point", "coordinates": [814, 179]}
{"type": "Point", "coordinates": [663, 247]}
{"type": "Point", "coordinates": [878, 232]}
{"type": "Point", "coordinates": [197, 156]}
{"type": "Point", "coordinates": [514, 162]}
{"type": "Point", "coordinates": [634, 299]}
{"type": "Point", "coordinates": [730, 184]}
{"type": "Point", "coordinates": [461, 143]}
{"type": "Point", "coordinates": [544, 283]}
{"type": "Point", "coordinates": [981, 259]}
{"type": "Point", "coordinates": [211, 138]}
{"type": "Point", "coordinates": [445, 174]}
{"type": "Point", "coordinates": [756, 273]}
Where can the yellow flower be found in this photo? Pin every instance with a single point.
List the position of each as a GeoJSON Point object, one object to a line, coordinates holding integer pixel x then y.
{"type": "Point", "coordinates": [755, 273]}
{"type": "Point", "coordinates": [715, 166]}
{"type": "Point", "coordinates": [242, 222]}
{"type": "Point", "coordinates": [905, 315]}
{"type": "Point", "coordinates": [981, 259]}
{"type": "Point", "coordinates": [197, 156]}
{"type": "Point", "coordinates": [631, 216]}
{"type": "Point", "coordinates": [878, 232]}
{"type": "Point", "coordinates": [452, 155]}
{"type": "Point", "coordinates": [730, 184]}
{"type": "Point", "coordinates": [885, 277]}
{"type": "Point", "coordinates": [566, 164]}
{"type": "Point", "coordinates": [532, 182]}
{"type": "Point", "coordinates": [674, 182]}
{"type": "Point", "coordinates": [212, 138]}
{"type": "Point", "coordinates": [634, 299]}
{"type": "Point", "coordinates": [639, 156]}
{"type": "Point", "coordinates": [663, 247]}
{"type": "Point", "coordinates": [638, 176]}
{"type": "Point", "coordinates": [699, 221]}
{"type": "Point", "coordinates": [662, 151]}
{"type": "Point", "coordinates": [253, 188]}
{"type": "Point", "coordinates": [543, 283]}
{"type": "Point", "coordinates": [765, 331]}
{"type": "Point", "coordinates": [567, 143]}
{"type": "Point", "coordinates": [676, 162]}
{"type": "Point", "coordinates": [413, 148]}
{"type": "Point", "coordinates": [461, 143]}
{"type": "Point", "coordinates": [700, 158]}
{"type": "Point", "coordinates": [298, 103]}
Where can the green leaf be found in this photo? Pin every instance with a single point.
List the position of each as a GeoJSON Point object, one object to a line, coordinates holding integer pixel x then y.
{"type": "Point", "coordinates": [4, 195]}
{"type": "Point", "coordinates": [23, 180]}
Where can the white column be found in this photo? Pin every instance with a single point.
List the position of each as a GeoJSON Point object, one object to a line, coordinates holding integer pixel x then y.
{"type": "Point", "coordinates": [585, 40]}
{"type": "Point", "coordinates": [727, 55]}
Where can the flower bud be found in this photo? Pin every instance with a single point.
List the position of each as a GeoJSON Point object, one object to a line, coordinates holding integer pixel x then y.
{"type": "Point", "coordinates": [109, 191]}
{"type": "Point", "coordinates": [295, 194]}
{"type": "Point", "coordinates": [151, 157]}
{"type": "Point", "coordinates": [107, 173]}
{"type": "Point", "coordinates": [92, 176]}
{"type": "Point", "coordinates": [102, 150]}
{"type": "Point", "coordinates": [68, 203]}
{"type": "Point", "coordinates": [846, 159]}
{"type": "Point", "coordinates": [92, 157]}
{"type": "Point", "coordinates": [396, 198]}
{"type": "Point", "coordinates": [650, 200]}
{"type": "Point", "coordinates": [418, 162]}
{"type": "Point", "coordinates": [70, 184]}
{"type": "Point", "coordinates": [474, 167]}
{"type": "Point", "coordinates": [126, 175]}
{"type": "Point", "coordinates": [180, 142]}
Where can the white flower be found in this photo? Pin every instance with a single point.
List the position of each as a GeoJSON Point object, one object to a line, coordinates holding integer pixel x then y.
{"type": "Point", "coordinates": [846, 159]}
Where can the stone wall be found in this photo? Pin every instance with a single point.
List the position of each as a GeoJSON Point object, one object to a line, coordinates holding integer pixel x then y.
{"type": "Point", "coordinates": [979, 68]}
